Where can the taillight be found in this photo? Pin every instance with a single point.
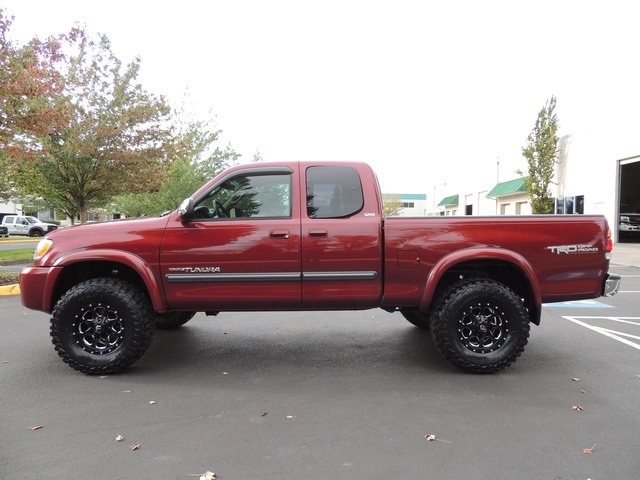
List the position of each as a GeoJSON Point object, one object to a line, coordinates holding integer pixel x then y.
{"type": "Point", "coordinates": [609, 245]}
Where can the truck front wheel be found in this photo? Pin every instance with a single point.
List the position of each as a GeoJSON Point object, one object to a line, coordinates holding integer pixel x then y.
{"type": "Point", "coordinates": [102, 325]}
{"type": "Point", "coordinates": [480, 325]}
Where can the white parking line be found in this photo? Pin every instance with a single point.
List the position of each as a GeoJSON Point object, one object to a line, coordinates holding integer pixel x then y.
{"type": "Point", "coordinates": [618, 336]}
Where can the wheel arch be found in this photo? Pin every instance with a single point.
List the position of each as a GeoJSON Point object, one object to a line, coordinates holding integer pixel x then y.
{"type": "Point", "coordinates": [80, 266]}
{"type": "Point", "coordinates": [505, 266]}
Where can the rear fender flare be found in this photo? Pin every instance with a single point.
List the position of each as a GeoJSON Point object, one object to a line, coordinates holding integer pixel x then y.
{"type": "Point", "coordinates": [451, 260]}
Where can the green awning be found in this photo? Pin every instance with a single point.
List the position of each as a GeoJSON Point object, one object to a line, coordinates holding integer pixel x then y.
{"type": "Point", "coordinates": [451, 201]}
{"type": "Point", "coordinates": [518, 185]}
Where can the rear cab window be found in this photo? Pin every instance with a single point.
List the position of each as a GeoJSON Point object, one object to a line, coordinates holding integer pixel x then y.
{"type": "Point", "coordinates": [333, 192]}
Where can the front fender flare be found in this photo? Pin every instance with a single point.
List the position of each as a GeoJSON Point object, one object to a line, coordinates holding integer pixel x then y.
{"type": "Point", "coordinates": [137, 264]}
{"type": "Point", "coordinates": [488, 254]}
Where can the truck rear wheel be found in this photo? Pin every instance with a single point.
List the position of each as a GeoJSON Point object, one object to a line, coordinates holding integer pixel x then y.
{"type": "Point", "coordinates": [102, 325]}
{"type": "Point", "coordinates": [480, 325]}
{"type": "Point", "coordinates": [172, 320]}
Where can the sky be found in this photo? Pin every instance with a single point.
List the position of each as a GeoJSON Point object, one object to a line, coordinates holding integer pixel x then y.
{"type": "Point", "coordinates": [438, 96]}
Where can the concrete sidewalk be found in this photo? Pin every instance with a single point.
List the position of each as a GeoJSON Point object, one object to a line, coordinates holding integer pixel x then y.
{"type": "Point", "coordinates": [627, 254]}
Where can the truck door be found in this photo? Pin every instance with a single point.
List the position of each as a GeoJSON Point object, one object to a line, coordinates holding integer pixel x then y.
{"type": "Point", "coordinates": [242, 251]}
{"type": "Point", "coordinates": [341, 241]}
{"type": "Point", "coordinates": [20, 226]}
{"type": "Point", "coordinates": [8, 222]}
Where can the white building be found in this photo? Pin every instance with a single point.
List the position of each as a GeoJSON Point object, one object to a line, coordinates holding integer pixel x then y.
{"type": "Point", "coordinates": [413, 204]}
{"type": "Point", "coordinates": [588, 180]}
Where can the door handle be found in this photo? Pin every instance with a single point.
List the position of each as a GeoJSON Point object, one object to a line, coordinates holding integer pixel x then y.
{"type": "Point", "coordinates": [318, 233]}
{"type": "Point", "coordinates": [279, 234]}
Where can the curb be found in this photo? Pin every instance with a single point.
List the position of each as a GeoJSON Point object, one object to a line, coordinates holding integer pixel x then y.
{"type": "Point", "coordinates": [18, 240]}
{"type": "Point", "coordinates": [6, 290]}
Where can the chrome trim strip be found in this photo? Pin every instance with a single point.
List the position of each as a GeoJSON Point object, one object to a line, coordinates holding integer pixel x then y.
{"type": "Point", "coordinates": [268, 277]}
{"type": "Point", "coordinates": [233, 277]}
{"type": "Point", "coordinates": [325, 276]}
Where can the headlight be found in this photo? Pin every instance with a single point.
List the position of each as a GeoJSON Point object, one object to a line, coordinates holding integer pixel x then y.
{"type": "Point", "coordinates": [42, 248]}
{"type": "Point", "coordinates": [624, 219]}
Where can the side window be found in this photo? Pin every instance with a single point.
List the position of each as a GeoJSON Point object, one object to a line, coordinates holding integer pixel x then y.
{"type": "Point", "coordinates": [333, 192]}
{"type": "Point", "coordinates": [248, 196]}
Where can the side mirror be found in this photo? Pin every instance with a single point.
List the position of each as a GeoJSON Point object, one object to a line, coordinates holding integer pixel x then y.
{"type": "Point", "coordinates": [185, 210]}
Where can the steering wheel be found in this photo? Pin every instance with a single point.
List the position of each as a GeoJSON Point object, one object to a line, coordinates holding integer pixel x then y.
{"type": "Point", "coordinates": [201, 212]}
{"type": "Point", "coordinates": [220, 211]}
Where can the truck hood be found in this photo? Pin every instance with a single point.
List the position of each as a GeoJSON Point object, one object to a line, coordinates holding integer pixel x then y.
{"type": "Point", "coordinates": [140, 237]}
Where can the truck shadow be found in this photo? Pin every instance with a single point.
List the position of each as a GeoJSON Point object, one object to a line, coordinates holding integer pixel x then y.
{"type": "Point", "coordinates": [248, 345]}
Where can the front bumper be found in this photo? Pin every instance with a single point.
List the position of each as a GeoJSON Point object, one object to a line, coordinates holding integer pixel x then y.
{"type": "Point", "coordinates": [36, 287]}
{"type": "Point", "coordinates": [611, 285]}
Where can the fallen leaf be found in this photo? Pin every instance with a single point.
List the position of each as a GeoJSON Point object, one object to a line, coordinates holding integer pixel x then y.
{"type": "Point", "coordinates": [152, 402]}
{"type": "Point", "coordinates": [582, 391]}
{"type": "Point", "coordinates": [433, 438]}
{"type": "Point", "coordinates": [35, 427]}
{"type": "Point", "coordinates": [119, 438]}
{"type": "Point", "coordinates": [577, 408]}
{"type": "Point", "coordinates": [204, 476]}
{"type": "Point", "coordinates": [575, 379]}
{"type": "Point", "coordinates": [135, 446]}
{"type": "Point", "coordinates": [589, 451]}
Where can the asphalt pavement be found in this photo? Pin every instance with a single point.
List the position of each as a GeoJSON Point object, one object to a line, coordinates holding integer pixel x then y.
{"type": "Point", "coordinates": [306, 395]}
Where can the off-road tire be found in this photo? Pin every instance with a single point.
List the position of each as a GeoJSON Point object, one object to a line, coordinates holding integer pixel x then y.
{"type": "Point", "coordinates": [102, 326]}
{"type": "Point", "coordinates": [419, 319]}
{"type": "Point", "coordinates": [172, 320]}
{"type": "Point", "coordinates": [480, 325]}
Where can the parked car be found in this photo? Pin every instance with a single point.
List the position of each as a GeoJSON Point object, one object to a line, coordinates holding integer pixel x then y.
{"type": "Point", "coordinates": [27, 225]}
{"type": "Point", "coordinates": [4, 231]}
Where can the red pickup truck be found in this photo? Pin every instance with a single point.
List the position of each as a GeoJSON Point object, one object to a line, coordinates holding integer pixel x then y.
{"type": "Point", "coordinates": [310, 236]}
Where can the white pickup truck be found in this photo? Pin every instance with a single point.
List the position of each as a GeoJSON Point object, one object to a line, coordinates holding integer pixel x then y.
{"type": "Point", "coordinates": [26, 225]}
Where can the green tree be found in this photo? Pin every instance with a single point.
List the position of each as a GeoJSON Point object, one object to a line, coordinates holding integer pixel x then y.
{"type": "Point", "coordinates": [541, 152]}
{"type": "Point", "coordinates": [391, 205]}
{"type": "Point", "coordinates": [197, 159]}
{"type": "Point", "coordinates": [117, 138]}
{"type": "Point", "coordinates": [257, 158]}
{"type": "Point", "coordinates": [30, 104]}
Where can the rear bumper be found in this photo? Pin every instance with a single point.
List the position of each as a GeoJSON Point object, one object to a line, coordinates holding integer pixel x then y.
{"type": "Point", "coordinates": [611, 285]}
